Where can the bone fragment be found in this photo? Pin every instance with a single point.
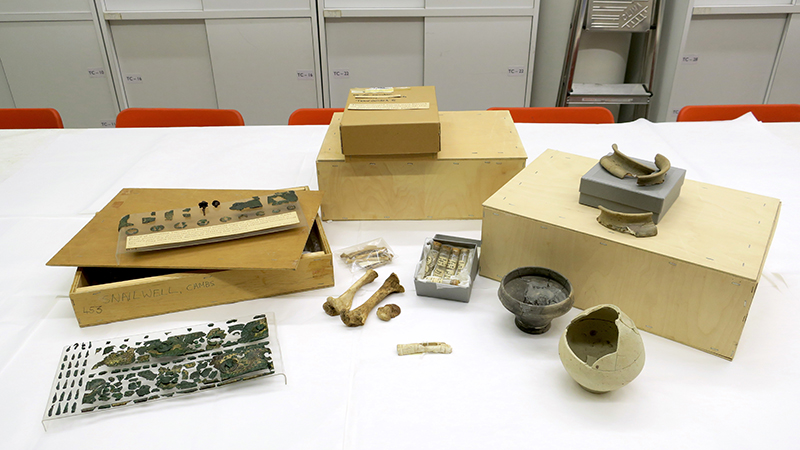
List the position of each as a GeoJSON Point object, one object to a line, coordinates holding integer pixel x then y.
{"type": "Point", "coordinates": [424, 347]}
{"type": "Point", "coordinates": [342, 303]}
{"type": "Point", "coordinates": [388, 312]}
{"type": "Point", "coordinates": [433, 256]}
{"type": "Point", "coordinates": [637, 224]}
{"type": "Point", "coordinates": [357, 317]}
{"type": "Point", "coordinates": [441, 265]}
{"type": "Point", "coordinates": [452, 263]}
{"type": "Point", "coordinates": [370, 254]}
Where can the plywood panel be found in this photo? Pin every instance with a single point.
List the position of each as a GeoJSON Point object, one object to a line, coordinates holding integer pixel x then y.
{"type": "Point", "coordinates": [785, 87]}
{"type": "Point", "coordinates": [735, 56]}
{"type": "Point", "coordinates": [256, 64]}
{"type": "Point", "coordinates": [373, 52]}
{"type": "Point", "coordinates": [172, 60]}
{"type": "Point", "coordinates": [47, 65]}
{"type": "Point", "coordinates": [468, 60]}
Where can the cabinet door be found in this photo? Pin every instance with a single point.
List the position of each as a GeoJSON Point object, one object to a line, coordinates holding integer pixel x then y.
{"type": "Point", "coordinates": [47, 64]}
{"type": "Point", "coordinates": [373, 52]}
{"type": "Point", "coordinates": [784, 86]}
{"type": "Point", "coordinates": [262, 67]}
{"type": "Point", "coordinates": [374, 4]}
{"type": "Point", "coordinates": [27, 6]}
{"type": "Point", "coordinates": [477, 62]}
{"type": "Point", "coordinates": [165, 64]}
{"type": "Point", "coordinates": [153, 5]}
{"type": "Point", "coordinates": [734, 60]}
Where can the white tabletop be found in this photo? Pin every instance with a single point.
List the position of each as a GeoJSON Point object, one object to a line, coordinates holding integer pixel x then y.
{"type": "Point", "coordinates": [347, 388]}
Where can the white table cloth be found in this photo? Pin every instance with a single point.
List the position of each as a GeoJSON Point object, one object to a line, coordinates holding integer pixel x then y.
{"type": "Point", "coordinates": [347, 388]}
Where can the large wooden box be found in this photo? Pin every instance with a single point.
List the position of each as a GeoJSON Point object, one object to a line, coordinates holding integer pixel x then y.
{"type": "Point", "coordinates": [102, 295]}
{"type": "Point", "coordinates": [693, 283]}
{"type": "Point", "coordinates": [109, 287]}
{"type": "Point", "coordinates": [480, 152]}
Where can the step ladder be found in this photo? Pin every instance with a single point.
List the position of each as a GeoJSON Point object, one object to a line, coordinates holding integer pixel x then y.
{"type": "Point", "coordinates": [641, 18]}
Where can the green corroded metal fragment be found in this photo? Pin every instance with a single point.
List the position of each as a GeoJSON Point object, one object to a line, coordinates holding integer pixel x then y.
{"type": "Point", "coordinates": [167, 378]}
{"type": "Point", "coordinates": [169, 214]}
{"type": "Point", "coordinates": [235, 363]}
{"type": "Point", "coordinates": [108, 349]}
{"type": "Point", "coordinates": [142, 391]}
{"type": "Point", "coordinates": [280, 198]}
{"type": "Point", "coordinates": [148, 375]}
{"type": "Point", "coordinates": [173, 346]}
{"type": "Point", "coordinates": [250, 204]}
{"type": "Point", "coordinates": [148, 220]}
{"type": "Point", "coordinates": [143, 358]}
{"type": "Point", "coordinates": [123, 222]}
{"type": "Point", "coordinates": [186, 385]}
{"type": "Point", "coordinates": [254, 331]}
{"type": "Point", "coordinates": [119, 358]}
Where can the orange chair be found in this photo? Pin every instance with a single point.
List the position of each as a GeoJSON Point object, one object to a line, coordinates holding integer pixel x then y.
{"type": "Point", "coordinates": [178, 117]}
{"type": "Point", "coordinates": [582, 114]}
{"type": "Point", "coordinates": [764, 113]}
{"type": "Point", "coordinates": [313, 116]}
{"type": "Point", "coordinates": [25, 118]}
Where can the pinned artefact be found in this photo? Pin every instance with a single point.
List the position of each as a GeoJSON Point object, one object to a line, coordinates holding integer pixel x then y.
{"type": "Point", "coordinates": [601, 349]}
{"type": "Point", "coordinates": [621, 165]}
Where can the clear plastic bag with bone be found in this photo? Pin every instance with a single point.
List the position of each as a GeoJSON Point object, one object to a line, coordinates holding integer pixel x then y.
{"type": "Point", "coordinates": [367, 255]}
{"type": "Point", "coordinates": [445, 263]}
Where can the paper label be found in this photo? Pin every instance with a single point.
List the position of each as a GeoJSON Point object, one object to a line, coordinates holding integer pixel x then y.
{"type": "Point", "coordinates": [139, 241]}
{"type": "Point", "coordinates": [389, 106]}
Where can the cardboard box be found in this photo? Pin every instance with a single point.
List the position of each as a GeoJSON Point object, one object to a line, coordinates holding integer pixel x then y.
{"type": "Point", "coordinates": [693, 283]}
{"type": "Point", "coordinates": [599, 187]}
{"type": "Point", "coordinates": [389, 129]}
{"type": "Point", "coordinates": [458, 293]}
{"type": "Point", "coordinates": [109, 287]}
{"type": "Point", "coordinates": [481, 151]}
{"type": "Point", "coordinates": [103, 295]}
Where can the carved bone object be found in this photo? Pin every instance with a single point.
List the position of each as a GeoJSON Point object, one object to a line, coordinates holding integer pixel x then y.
{"type": "Point", "coordinates": [357, 317]}
{"type": "Point", "coordinates": [342, 303]}
{"type": "Point", "coordinates": [424, 347]}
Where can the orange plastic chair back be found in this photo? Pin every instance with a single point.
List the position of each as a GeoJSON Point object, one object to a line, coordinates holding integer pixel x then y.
{"type": "Point", "coordinates": [583, 114]}
{"type": "Point", "coordinates": [178, 117]}
{"type": "Point", "coordinates": [25, 118]}
{"type": "Point", "coordinates": [764, 113]}
{"type": "Point", "coordinates": [313, 116]}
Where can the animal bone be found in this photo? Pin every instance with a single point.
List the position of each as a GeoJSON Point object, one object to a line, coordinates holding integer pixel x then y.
{"type": "Point", "coordinates": [357, 317]}
{"type": "Point", "coordinates": [342, 303]}
{"type": "Point", "coordinates": [637, 224]}
{"type": "Point", "coordinates": [424, 347]}
{"type": "Point", "coordinates": [388, 312]}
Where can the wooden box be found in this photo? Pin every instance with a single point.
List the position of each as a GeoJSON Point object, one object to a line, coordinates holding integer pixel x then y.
{"type": "Point", "coordinates": [693, 283]}
{"type": "Point", "coordinates": [480, 152]}
{"type": "Point", "coordinates": [109, 288]}
{"type": "Point", "coordinates": [389, 131]}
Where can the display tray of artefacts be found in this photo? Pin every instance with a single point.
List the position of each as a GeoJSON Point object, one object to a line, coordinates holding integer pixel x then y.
{"type": "Point", "coordinates": [208, 222]}
{"type": "Point", "coordinates": [163, 281]}
{"type": "Point", "coordinates": [105, 374]}
{"type": "Point", "coordinates": [96, 245]}
{"type": "Point", "coordinates": [693, 282]}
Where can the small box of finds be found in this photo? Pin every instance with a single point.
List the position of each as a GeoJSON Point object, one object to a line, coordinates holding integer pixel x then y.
{"type": "Point", "coordinates": [447, 267]}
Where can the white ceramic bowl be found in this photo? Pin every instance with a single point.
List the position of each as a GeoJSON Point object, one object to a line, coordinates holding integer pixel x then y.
{"type": "Point", "coordinates": [602, 349]}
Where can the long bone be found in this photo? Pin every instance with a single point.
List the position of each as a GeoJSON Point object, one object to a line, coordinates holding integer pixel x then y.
{"type": "Point", "coordinates": [342, 303]}
{"type": "Point", "coordinates": [357, 317]}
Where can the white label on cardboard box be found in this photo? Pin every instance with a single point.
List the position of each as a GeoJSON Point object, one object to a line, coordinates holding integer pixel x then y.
{"type": "Point", "coordinates": [387, 106]}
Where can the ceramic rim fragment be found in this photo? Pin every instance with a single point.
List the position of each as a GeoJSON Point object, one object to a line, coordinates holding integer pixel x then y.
{"type": "Point", "coordinates": [637, 224]}
{"type": "Point", "coordinates": [621, 165]}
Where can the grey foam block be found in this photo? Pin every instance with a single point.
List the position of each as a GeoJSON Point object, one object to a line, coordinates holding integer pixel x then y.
{"type": "Point", "coordinates": [599, 187]}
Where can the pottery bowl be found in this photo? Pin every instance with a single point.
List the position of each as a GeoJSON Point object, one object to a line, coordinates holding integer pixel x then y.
{"type": "Point", "coordinates": [535, 295]}
{"type": "Point", "coordinates": [601, 349]}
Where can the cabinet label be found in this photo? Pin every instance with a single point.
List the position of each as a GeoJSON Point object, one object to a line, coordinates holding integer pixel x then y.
{"type": "Point", "coordinates": [516, 71]}
{"type": "Point", "coordinates": [96, 72]}
{"type": "Point", "coordinates": [109, 123]}
{"type": "Point", "coordinates": [305, 74]}
{"type": "Point", "coordinates": [133, 78]}
{"type": "Point", "coordinates": [341, 73]}
{"type": "Point", "coordinates": [690, 59]}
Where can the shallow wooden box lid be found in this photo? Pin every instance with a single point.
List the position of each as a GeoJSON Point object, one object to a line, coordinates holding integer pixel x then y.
{"type": "Point", "coordinates": [96, 244]}
{"type": "Point", "coordinates": [710, 226]}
